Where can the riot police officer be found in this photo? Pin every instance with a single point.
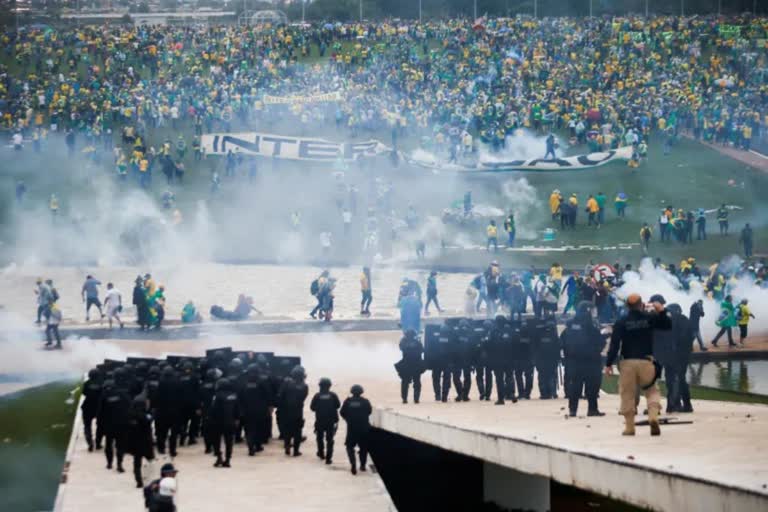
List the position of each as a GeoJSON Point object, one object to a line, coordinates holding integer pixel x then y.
{"type": "Point", "coordinates": [255, 401]}
{"type": "Point", "coordinates": [224, 420]}
{"type": "Point", "coordinates": [189, 387]}
{"type": "Point", "coordinates": [439, 362]}
{"type": "Point", "coordinates": [522, 361]}
{"type": "Point", "coordinates": [167, 411]}
{"type": "Point", "coordinates": [113, 416]}
{"type": "Point", "coordinates": [290, 402]}
{"type": "Point", "coordinates": [546, 355]}
{"type": "Point", "coordinates": [356, 411]}
{"type": "Point", "coordinates": [499, 352]}
{"type": "Point", "coordinates": [325, 404]}
{"type": "Point", "coordinates": [664, 352]}
{"type": "Point", "coordinates": [411, 366]}
{"type": "Point", "coordinates": [92, 390]}
{"type": "Point", "coordinates": [582, 345]}
{"type": "Point", "coordinates": [462, 370]}
{"type": "Point", "coordinates": [207, 392]}
{"type": "Point", "coordinates": [137, 437]}
{"type": "Point", "coordinates": [481, 360]}
{"type": "Point", "coordinates": [684, 338]}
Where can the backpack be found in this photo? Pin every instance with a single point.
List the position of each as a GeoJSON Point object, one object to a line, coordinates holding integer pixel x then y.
{"type": "Point", "coordinates": [314, 288]}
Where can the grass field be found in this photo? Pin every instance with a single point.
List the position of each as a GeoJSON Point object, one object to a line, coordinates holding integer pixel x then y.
{"type": "Point", "coordinates": [692, 177]}
{"type": "Point", "coordinates": [35, 425]}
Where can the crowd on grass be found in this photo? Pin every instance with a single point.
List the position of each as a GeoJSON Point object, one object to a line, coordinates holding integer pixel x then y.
{"type": "Point", "coordinates": [450, 84]}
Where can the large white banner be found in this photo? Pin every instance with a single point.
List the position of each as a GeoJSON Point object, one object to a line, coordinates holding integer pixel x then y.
{"type": "Point", "coordinates": [291, 148]}
{"type": "Point", "coordinates": [312, 98]}
{"type": "Point", "coordinates": [571, 163]}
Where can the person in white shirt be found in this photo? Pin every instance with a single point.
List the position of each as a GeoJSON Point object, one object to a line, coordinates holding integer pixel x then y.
{"type": "Point", "coordinates": [17, 139]}
{"type": "Point", "coordinates": [113, 301]}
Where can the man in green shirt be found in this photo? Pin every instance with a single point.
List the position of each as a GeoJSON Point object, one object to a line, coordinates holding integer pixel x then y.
{"type": "Point", "coordinates": [600, 198]}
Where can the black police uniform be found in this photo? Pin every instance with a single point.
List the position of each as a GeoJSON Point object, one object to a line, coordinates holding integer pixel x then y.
{"type": "Point", "coordinates": [439, 361]}
{"type": "Point", "coordinates": [189, 387]}
{"type": "Point", "coordinates": [462, 370]}
{"type": "Point", "coordinates": [137, 437]}
{"type": "Point", "coordinates": [167, 412]}
{"type": "Point", "coordinates": [522, 361]}
{"type": "Point", "coordinates": [499, 354]}
{"type": "Point", "coordinates": [325, 405]}
{"type": "Point", "coordinates": [481, 361]}
{"type": "Point", "coordinates": [582, 345]}
{"type": "Point", "coordinates": [410, 367]}
{"type": "Point", "coordinates": [255, 401]}
{"type": "Point", "coordinates": [684, 339]}
{"type": "Point", "coordinates": [664, 352]}
{"type": "Point", "coordinates": [356, 411]}
{"type": "Point", "coordinates": [224, 416]}
{"type": "Point", "coordinates": [207, 391]}
{"type": "Point", "coordinates": [290, 400]}
{"type": "Point", "coordinates": [92, 390]}
{"type": "Point", "coordinates": [546, 355]}
{"type": "Point", "coordinates": [113, 416]}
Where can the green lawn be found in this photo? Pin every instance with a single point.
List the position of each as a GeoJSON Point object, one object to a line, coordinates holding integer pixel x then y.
{"type": "Point", "coordinates": [35, 426]}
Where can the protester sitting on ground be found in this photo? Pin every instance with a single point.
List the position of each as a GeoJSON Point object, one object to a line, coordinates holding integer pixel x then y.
{"type": "Point", "coordinates": [241, 312]}
{"type": "Point", "coordinates": [189, 314]}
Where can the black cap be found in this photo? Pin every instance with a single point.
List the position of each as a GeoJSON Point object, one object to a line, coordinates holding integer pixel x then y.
{"type": "Point", "coordinates": [658, 298]}
{"type": "Point", "coordinates": [168, 468]}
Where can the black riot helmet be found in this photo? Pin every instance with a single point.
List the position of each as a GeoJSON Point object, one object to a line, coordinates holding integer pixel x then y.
{"type": "Point", "coordinates": [356, 390]}
{"type": "Point", "coordinates": [325, 383]}
{"type": "Point", "coordinates": [298, 372]}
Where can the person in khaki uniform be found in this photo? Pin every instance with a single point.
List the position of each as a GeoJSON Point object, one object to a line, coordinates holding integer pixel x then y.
{"type": "Point", "coordinates": [633, 338]}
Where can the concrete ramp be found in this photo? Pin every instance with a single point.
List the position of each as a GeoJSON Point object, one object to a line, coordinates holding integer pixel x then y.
{"type": "Point", "coordinates": [718, 463]}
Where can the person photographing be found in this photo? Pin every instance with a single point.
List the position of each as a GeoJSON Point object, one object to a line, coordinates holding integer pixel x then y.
{"type": "Point", "coordinates": [633, 338]}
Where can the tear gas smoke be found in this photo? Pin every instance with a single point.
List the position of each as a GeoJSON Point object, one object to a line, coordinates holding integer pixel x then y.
{"type": "Point", "coordinates": [22, 355]}
{"type": "Point", "coordinates": [648, 281]}
{"type": "Point", "coordinates": [522, 145]}
{"type": "Point", "coordinates": [523, 202]}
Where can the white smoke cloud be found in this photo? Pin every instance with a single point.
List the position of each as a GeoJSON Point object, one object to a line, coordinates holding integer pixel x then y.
{"type": "Point", "coordinates": [523, 201]}
{"type": "Point", "coordinates": [648, 281]}
{"type": "Point", "coordinates": [22, 355]}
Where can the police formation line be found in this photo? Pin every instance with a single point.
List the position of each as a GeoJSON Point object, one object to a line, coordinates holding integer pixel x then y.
{"type": "Point", "coordinates": [144, 404]}
{"type": "Point", "coordinates": [505, 352]}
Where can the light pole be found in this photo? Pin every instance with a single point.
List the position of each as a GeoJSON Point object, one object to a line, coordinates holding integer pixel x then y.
{"type": "Point", "coordinates": [682, 7]}
{"type": "Point", "coordinates": [646, 8]}
{"type": "Point", "coordinates": [419, 11]}
{"type": "Point", "coordinates": [361, 11]}
{"type": "Point", "coordinates": [719, 7]}
{"type": "Point", "coordinates": [474, 10]}
{"type": "Point", "coordinates": [590, 8]}
{"type": "Point", "coordinates": [535, 8]}
{"type": "Point", "coordinates": [303, 10]}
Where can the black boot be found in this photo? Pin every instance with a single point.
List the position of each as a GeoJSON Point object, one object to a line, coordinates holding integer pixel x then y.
{"type": "Point", "coordinates": [352, 460]}
{"type": "Point", "coordinates": [404, 390]}
{"type": "Point", "coordinates": [218, 462]}
{"type": "Point", "coordinates": [329, 454]}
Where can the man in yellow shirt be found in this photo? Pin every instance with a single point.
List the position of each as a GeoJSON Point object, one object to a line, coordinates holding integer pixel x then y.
{"type": "Point", "coordinates": [746, 135]}
{"type": "Point", "coordinates": [493, 236]}
{"type": "Point", "coordinates": [554, 203]}
{"type": "Point", "coordinates": [592, 209]}
{"type": "Point", "coordinates": [743, 314]}
{"type": "Point", "coordinates": [144, 172]}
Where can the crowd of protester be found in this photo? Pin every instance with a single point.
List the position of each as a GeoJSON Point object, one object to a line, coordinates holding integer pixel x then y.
{"type": "Point", "coordinates": [451, 82]}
